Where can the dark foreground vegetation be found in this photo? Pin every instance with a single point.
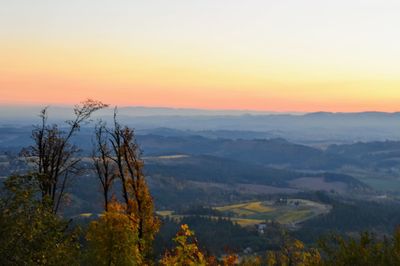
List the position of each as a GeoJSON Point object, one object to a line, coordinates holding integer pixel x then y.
{"type": "Point", "coordinates": [35, 230]}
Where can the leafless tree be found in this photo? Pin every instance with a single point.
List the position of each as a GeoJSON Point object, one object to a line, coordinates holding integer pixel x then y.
{"type": "Point", "coordinates": [103, 164]}
{"type": "Point", "coordinates": [53, 154]}
{"type": "Point", "coordinates": [117, 146]}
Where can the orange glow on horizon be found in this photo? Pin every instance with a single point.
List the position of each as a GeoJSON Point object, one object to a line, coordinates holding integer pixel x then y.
{"type": "Point", "coordinates": [339, 57]}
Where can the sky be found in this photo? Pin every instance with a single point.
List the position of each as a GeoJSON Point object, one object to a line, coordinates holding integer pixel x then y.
{"type": "Point", "coordinates": [298, 55]}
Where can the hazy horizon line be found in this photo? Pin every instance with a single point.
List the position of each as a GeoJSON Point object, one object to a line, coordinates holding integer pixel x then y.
{"type": "Point", "coordinates": [244, 111]}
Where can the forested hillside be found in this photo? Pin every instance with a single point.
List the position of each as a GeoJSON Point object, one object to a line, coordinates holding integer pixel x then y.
{"type": "Point", "coordinates": [248, 202]}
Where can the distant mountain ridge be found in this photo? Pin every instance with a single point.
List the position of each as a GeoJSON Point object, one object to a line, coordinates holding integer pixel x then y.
{"type": "Point", "coordinates": [310, 128]}
{"type": "Point", "coordinates": [10, 111]}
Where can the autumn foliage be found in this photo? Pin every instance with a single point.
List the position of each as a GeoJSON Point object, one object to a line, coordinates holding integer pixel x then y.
{"type": "Point", "coordinates": [33, 233]}
{"type": "Point", "coordinates": [117, 156]}
{"type": "Point", "coordinates": [294, 253]}
{"type": "Point", "coordinates": [186, 251]}
{"type": "Point", "coordinates": [113, 238]}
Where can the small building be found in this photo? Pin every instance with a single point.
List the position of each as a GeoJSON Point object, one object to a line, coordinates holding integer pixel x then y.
{"type": "Point", "coordinates": [261, 228]}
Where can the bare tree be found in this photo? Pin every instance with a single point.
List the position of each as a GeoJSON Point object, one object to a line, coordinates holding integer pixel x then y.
{"type": "Point", "coordinates": [117, 146]}
{"type": "Point", "coordinates": [53, 154]}
{"type": "Point", "coordinates": [103, 164]}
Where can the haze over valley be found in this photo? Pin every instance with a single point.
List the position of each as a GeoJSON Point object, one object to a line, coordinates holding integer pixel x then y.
{"type": "Point", "coordinates": [200, 133]}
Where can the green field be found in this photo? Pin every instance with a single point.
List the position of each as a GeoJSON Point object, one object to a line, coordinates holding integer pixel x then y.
{"type": "Point", "coordinates": [292, 212]}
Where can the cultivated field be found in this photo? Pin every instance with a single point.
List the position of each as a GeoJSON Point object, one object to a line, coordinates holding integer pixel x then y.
{"type": "Point", "coordinates": [289, 212]}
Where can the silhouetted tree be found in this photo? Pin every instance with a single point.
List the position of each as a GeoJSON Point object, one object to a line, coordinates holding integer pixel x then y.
{"type": "Point", "coordinates": [103, 162]}
{"type": "Point", "coordinates": [54, 156]}
{"type": "Point", "coordinates": [119, 156]}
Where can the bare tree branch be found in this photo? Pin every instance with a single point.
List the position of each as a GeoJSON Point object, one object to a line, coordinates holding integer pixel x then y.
{"type": "Point", "coordinates": [53, 154]}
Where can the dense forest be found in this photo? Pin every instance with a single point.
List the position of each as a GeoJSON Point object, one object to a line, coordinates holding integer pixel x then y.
{"type": "Point", "coordinates": [35, 228]}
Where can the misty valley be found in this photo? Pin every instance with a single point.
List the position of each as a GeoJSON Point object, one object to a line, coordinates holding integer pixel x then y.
{"type": "Point", "coordinates": [253, 188]}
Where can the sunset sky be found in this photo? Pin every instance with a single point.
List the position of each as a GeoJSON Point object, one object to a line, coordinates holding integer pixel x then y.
{"type": "Point", "coordinates": [298, 55]}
